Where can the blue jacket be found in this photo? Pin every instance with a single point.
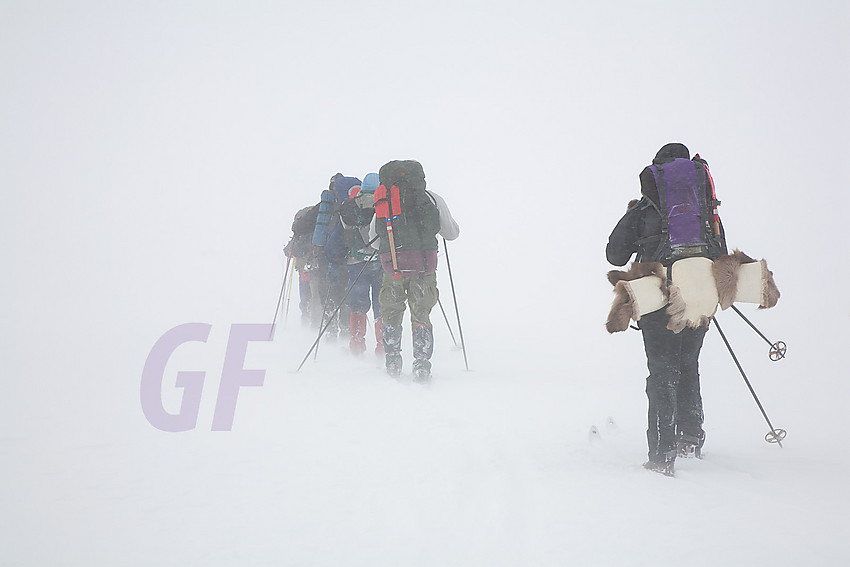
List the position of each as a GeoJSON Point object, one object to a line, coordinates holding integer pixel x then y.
{"type": "Point", "coordinates": [335, 248]}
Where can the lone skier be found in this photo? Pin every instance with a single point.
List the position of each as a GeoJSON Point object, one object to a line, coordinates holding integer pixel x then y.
{"type": "Point", "coordinates": [675, 416]}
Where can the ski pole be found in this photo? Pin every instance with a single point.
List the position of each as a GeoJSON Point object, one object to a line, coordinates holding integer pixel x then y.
{"type": "Point", "coordinates": [280, 298]}
{"type": "Point", "coordinates": [396, 273]}
{"type": "Point", "coordinates": [775, 435]}
{"type": "Point", "coordinates": [446, 317]}
{"type": "Point", "coordinates": [327, 324]}
{"type": "Point", "coordinates": [288, 297]}
{"type": "Point", "coordinates": [777, 349]}
{"type": "Point", "coordinates": [454, 297]}
{"type": "Point", "coordinates": [324, 325]}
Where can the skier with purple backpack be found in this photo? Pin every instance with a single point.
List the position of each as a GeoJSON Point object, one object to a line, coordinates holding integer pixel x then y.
{"type": "Point", "coordinates": [674, 220]}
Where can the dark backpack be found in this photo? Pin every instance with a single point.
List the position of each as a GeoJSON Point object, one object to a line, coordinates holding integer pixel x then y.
{"type": "Point", "coordinates": [358, 210]}
{"type": "Point", "coordinates": [305, 220]}
{"type": "Point", "coordinates": [686, 207]}
{"type": "Point", "coordinates": [402, 203]}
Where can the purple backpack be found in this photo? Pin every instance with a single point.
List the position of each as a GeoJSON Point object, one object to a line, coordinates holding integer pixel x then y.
{"type": "Point", "coordinates": [685, 211]}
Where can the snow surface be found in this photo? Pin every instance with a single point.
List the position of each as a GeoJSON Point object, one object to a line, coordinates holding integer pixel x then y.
{"type": "Point", "coordinates": [154, 154]}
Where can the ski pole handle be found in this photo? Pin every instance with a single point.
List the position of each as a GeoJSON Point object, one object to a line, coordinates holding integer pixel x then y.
{"type": "Point", "coordinates": [396, 273]}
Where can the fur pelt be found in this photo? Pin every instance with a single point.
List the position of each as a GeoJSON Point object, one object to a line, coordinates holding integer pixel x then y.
{"type": "Point", "coordinates": [676, 310]}
{"type": "Point", "coordinates": [769, 291]}
{"type": "Point", "coordinates": [726, 276]}
{"type": "Point", "coordinates": [621, 310]}
{"type": "Point", "coordinates": [624, 307]}
{"type": "Point", "coordinates": [725, 272]}
{"type": "Point", "coordinates": [689, 307]}
{"type": "Point", "coordinates": [694, 301]}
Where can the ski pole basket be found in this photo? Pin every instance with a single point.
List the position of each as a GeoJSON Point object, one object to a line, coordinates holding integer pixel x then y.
{"type": "Point", "coordinates": [775, 436]}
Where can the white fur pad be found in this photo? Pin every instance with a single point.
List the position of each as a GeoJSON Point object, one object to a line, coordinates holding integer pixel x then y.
{"type": "Point", "coordinates": [750, 283]}
{"type": "Point", "coordinates": [694, 278]}
{"type": "Point", "coordinates": [646, 295]}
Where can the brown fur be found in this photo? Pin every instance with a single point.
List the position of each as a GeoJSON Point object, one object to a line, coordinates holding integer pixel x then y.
{"type": "Point", "coordinates": [621, 310]}
{"type": "Point", "coordinates": [726, 276]}
{"type": "Point", "coordinates": [725, 271]}
{"type": "Point", "coordinates": [770, 293]}
{"type": "Point", "coordinates": [623, 307]}
{"type": "Point", "coordinates": [676, 310]}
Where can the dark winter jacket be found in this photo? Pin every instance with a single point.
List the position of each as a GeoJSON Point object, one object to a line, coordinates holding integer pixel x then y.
{"type": "Point", "coordinates": [335, 248]}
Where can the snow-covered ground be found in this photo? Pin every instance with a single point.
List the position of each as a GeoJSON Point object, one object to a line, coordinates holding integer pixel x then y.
{"type": "Point", "coordinates": [154, 154]}
{"type": "Point", "coordinates": [340, 464]}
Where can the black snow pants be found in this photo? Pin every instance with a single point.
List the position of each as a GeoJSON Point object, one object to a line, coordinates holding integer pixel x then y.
{"type": "Point", "coordinates": [672, 388]}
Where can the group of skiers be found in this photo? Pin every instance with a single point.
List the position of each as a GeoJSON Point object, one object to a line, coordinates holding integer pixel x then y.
{"type": "Point", "coordinates": [376, 239]}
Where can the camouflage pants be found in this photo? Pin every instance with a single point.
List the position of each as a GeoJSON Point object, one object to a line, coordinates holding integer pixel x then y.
{"type": "Point", "coordinates": [419, 292]}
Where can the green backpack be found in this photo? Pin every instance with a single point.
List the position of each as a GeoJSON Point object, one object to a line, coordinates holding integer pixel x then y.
{"type": "Point", "coordinates": [402, 203]}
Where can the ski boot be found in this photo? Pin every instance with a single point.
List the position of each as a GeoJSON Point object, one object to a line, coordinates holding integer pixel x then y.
{"type": "Point", "coordinates": [379, 337]}
{"type": "Point", "coordinates": [688, 450]}
{"type": "Point", "coordinates": [357, 344]}
{"type": "Point", "coordinates": [690, 446]}
{"type": "Point", "coordinates": [663, 464]}
{"type": "Point", "coordinates": [392, 347]}
{"type": "Point", "coordinates": [423, 347]}
{"type": "Point", "coordinates": [330, 322]}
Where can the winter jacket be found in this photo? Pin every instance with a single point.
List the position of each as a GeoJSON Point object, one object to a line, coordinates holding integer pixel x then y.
{"type": "Point", "coordinates": [336, 249]}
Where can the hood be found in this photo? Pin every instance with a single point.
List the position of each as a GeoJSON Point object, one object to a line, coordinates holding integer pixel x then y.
{"type": "Point", "coordinates": [370, 182]}
{"type": "Point", "coordinates": [342, 185]}
{"type": "Point", "coordinates": [669, 152]}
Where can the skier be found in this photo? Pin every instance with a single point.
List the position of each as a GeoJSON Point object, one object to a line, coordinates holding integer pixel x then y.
{"type": "Point", "coordinates": [299, 249]}
{"type": "Point", "coordinates": [675, 413]}
{"type": "Point", "coordinates": [408, 219]}
{"type": "Point", "coordinates": [329, 256]}
{"type": "Point", "coordinates": [318, 258]}
{"type": "Point", "coordinates": [364, 265]}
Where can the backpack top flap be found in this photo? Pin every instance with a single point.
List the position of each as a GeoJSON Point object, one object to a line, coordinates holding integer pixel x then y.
{"type": "Point", "coordinates": [342, 186]}
{"type": "Point", "coordinates": [305, 220]}
{"type": "Point", "coordinates": [404, 174]}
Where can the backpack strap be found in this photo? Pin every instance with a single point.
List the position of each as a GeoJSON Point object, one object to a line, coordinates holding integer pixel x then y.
{"type": "Point", "coordinates": [714, 234]}
{"type": "Point", "coordinates": [421, 228]}
{"type": "Point", "coordinates": [661, 187]}
{"type": "Point", "coordinates": [705, 206]}
{"type": "Point", "coordinates": [389, 207]}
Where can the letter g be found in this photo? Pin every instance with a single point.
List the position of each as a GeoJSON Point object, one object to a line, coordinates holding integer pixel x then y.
{"type": "Point", "coordinates": [192, 382]}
